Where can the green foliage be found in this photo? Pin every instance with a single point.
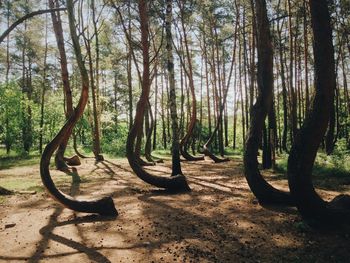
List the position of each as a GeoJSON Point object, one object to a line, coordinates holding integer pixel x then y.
{"type": "Point", "coordinates": [114, 139]}
{"type": "Point", "coordinates": [338, 163]}
{"type": "Point", "coordinates": [10, 113]}
{"type": "Point", "coordinates": [329, 171]}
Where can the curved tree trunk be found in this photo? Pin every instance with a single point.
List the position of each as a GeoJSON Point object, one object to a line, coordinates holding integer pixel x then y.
{"type": "Point", "coordinates": [148, 144]}
{"type": "Point", "coordinates": [304, 150]}
{"type": "Point", "coordinates": [206, 150]}
{"type": "Point", "coordinates": [104, 206]}
{"type": "Point", "coordinates": [261, 189]}
{"type": "Point", "coordinates": [149, 130]}
{"type": "Point", "coordinates": [75, 146]}
{"type": "Point", "coordinates": [184, 144]}
{"type": "Point", "coordinates": [174, 183]}
{"type": "Point", "coordinates": [138, 145]}
{"type": "Point", "coordinates": [57, 26]}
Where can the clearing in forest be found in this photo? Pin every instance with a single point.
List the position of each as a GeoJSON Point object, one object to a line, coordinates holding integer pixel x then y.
{"type": "Point", "coordinates": [218, 221]}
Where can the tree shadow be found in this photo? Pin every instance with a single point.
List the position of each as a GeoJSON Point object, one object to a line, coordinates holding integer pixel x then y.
{"type": "Point", "coordinates": [48, 235]}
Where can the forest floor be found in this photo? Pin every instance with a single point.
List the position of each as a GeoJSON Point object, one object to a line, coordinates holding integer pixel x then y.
{"type": "Point", "coordinates": [218, 221]}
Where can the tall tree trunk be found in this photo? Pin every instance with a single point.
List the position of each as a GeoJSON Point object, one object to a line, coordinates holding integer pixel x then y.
{"type": "Point", "coordinates": [129, 66]}
{"type": "Point", "coordinates": [222, 104]}
{"type": "Point", "coordinates": [284, 91]}
{"type": "Point", "coordinates": [175, 149]}
{"type": "Point", "coordinates": [163, 114]}
{"type": "Point", "coordinates": [241, 95]}
{"type": "Point", "coordinates": [304, 150]}
{"type": "Point", "coordinates": [207, 84]}
{"type": "Point", "coordinates": [104, 206]}
{"type": "Point", "coordinates": [189, 72]}
{"type": "Point", "coordinates": [95, 126]}
{"type": "Point", "coordinates": [8, 140]}
{"type": "Point", "coordinates": [293, 104]}
{"type": "Point", "coordinates": [261, 189]}
{"type": "Point", "coordinates": [43, 91]}
{"type": "Point", "coordinates": [95, 89]}
{"type": "Point", "coordinates": [306, 58]}
{"type": "Point", "coordinates": [155, 108]}
{"type": "Point", "coordinates": [57, 27]}
{"type": "Point", "coordinates": [176, 182]}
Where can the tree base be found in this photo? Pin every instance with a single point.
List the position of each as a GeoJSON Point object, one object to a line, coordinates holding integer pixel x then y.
{"type": "Point", "coordinates": [73, 161]}
{"type": "Point", "coordinates": [99, 158]}
{"type": "Point", "coordinates": [61, 164]}
{"type": "Point", "coordinates": [4, 191]}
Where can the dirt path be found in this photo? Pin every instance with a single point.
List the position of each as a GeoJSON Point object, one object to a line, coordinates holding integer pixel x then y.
{"type": "Point", "coordinates": [219, 221]}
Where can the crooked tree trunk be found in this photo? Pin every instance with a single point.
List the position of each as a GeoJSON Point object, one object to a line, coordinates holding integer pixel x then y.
{"type": "Point", "coordinates": [304, 150]}
{"type": "Point", "coordinates": [206, 150]}
{"type": "Point", "coordinates": [104, 206]}
{"type": "Point", "coordinates": [265, 193]}
{"type": "Point", "coordinates": [57, 26]}
{"type": "Point", "coordinates": [189, 72]}
{"type": "Point", "coordinates": [174, 183]}
{"type": "Point", "coordinates": [75, 146]}
{"type": "Point", "coordinates": [149, 131]}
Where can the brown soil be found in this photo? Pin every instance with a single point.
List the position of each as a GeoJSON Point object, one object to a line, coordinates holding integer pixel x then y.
{"type": "Point", "coordinates": [219, 221]}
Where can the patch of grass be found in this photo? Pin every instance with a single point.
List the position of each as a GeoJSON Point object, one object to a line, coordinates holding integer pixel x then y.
{"type": "Point", "coordinates": [234, 153]}
{"type": "Point", "coordinates": [18, 160]}
{"type": "Point", "coordinates": [20, 184]}
{"type": "Point", "coordinates": [331, 172]}
{"type": "Point", "coordinates": [36, 188]}
{"type": "Point", "coordinates": [2, 199]}
{"type": "Point", "coordinates": [162, 154]}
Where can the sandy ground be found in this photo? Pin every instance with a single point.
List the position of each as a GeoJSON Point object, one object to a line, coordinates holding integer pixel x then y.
{"type": "Point", "coordinates": [218, 221]}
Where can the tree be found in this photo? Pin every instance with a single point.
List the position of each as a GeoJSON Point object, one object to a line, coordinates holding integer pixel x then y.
{"type": "Point", "coordinates": [261, 189]}
{"type": "Point", "coordinates": [57, 27]}
{"type": "Point", "coordinates": [177, 182]}
{"type": "Point", "coordinates": [222, 104]}
{"type": "Point", "coordinates": [304, 150]}
{"type": "Point", "coordinates": [184, 144]}
{"type": "Point", "coordinates": [104, 206]}
{"type": "Point", "coordinates": [175, 149]}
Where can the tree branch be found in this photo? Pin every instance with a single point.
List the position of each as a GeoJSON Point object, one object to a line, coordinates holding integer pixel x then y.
{"type": "Point", "coordinates": [25, 17]}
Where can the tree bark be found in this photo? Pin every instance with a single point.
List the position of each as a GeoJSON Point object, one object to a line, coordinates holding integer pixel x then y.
{"type": "Point", "coordinates": [189, 72]}
{"type": "Point", "coordinates": [57, 26]}
{"type": "Point", "coordinates": [175, 149]}
{"type": "Point", "coordinates": [104, 206]}
{"type": "Point", "coordinates": [174, 183]}
{"type": "Point", "coordinates": [261, 189]}
{"type": "Point", "coordinates": [304, 150]}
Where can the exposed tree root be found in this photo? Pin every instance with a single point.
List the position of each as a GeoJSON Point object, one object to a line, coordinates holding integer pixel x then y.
{"type": "Point", "coordinates": [73, 161]}
{"type": "Point", "coordinates": [212, 156]}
